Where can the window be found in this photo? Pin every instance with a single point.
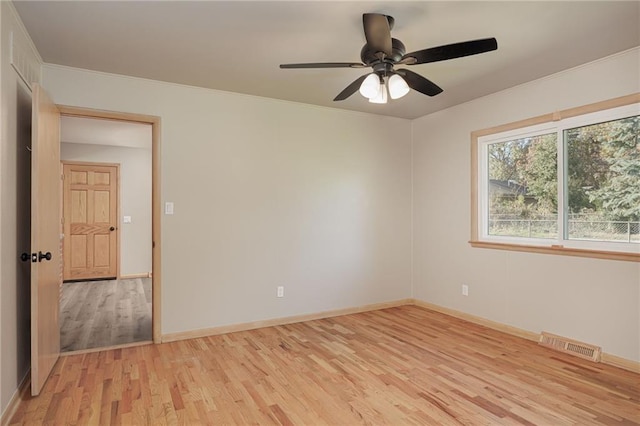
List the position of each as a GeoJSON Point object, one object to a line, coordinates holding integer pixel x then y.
{"type": "Point", "coordinates": [566, 183]}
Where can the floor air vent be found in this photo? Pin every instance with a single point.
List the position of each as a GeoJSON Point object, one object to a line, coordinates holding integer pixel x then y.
{"type": "Point", "coordinates": [572, 347]}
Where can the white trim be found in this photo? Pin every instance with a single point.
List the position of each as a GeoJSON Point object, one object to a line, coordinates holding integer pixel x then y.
{"type": "Point", "coordinates": [563, 199]}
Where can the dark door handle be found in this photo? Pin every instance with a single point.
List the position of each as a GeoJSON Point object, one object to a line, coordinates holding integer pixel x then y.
{"type": "Point", "coordinates": [25, 257]}
{"type": "Point", "coordinates": [112, 228]}
{"type": "Point", "coordinates": [46, 255]}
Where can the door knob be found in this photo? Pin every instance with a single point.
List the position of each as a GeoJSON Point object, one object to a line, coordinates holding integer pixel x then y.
{"type": "Point", "coordinates": [46, 255]}
{"type": "Point", "coordinates": [112, 228]}
{"type": "Point", "coordinates": [33, 257]}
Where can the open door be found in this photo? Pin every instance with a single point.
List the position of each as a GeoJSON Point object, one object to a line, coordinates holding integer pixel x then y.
{"type": "Point", "coordinates": [46, 262]}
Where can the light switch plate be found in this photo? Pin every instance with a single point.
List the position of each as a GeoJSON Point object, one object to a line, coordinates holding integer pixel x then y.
{"type": "Point", "coordinates": [168, 207]}
{"type": "Point", "coordinates": [126, 219]}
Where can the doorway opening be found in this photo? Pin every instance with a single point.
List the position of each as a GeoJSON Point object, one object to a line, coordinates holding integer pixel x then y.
{"type": "Point", "coordinates": [111, 291]}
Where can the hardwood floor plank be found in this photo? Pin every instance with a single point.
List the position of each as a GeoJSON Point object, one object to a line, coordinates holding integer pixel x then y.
{"type": "Point", "coordinates": [399, 366]}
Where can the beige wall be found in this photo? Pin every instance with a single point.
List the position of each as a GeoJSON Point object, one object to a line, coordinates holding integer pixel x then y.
{"type": "Point", "coordinates": [595, 301]}
{"type": "Point", "coordinates": [135, 198]}
{"type": "Point", "coordinates": [267, 193]}
{"type": "Point", "coordinates": [15, 106]}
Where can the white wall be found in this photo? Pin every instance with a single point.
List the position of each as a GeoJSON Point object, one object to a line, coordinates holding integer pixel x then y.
{"type": "Point", "coordinates": [595, 301]}
{"type": "Point", "coordinates": [134, 198]}
{"type": "Point", "coordinates": [15, 107]}
{"type": "Point", "coordinates": [266, 193]}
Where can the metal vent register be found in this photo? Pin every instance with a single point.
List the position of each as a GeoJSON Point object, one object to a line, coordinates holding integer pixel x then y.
{"type": "Point", "coordinates": [572, 347]}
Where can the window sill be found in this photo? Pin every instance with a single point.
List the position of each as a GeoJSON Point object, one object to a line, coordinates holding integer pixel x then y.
{"type": "Point", "coordinates": [559, 250]}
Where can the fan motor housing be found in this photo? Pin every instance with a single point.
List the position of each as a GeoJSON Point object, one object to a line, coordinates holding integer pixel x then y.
{"type": "Point", "coordinates": [368, 54]}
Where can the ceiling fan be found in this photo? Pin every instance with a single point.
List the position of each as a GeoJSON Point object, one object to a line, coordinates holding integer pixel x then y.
{"type": "Point", "coordinates": [382, 53]}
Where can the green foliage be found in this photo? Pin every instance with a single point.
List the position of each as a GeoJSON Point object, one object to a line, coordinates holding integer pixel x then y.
{"type": "Point", "coordinates": [619, 193]}
{"type": "Point", "coordinates": [530, 165]}
{"type": "Point", "coordinates": [505, 159]}
{"type": "Point", "coordinates": [541, 173]}
{"type": "Point", "coordinates": [603, 172]}
{"type": "Point", "coordinates": [587, 169]}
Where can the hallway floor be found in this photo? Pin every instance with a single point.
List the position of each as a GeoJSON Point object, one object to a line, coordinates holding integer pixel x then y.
{"type": "Point", "coordinates": [96, 314]}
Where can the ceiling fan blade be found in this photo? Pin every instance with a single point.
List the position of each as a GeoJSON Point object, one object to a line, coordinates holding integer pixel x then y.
{"type": "Point", "coordinates": [377, 32]}
{"type": "Point", "coordinates": [419, 83]}
{"type": "Point", "coordinates": [325, 65]}
{"type": "Point", "coordinates": [351, 89]}
{"type": "Point", "coordinates": [451, 51]}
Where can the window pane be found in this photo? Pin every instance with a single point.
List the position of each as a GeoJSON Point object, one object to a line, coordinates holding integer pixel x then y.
{"type": "Point", "coordinates": [603, 181]}
{"type": "Point", "coordinates": [523, 188]}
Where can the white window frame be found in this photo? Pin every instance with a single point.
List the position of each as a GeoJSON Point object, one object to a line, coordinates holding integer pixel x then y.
{"type": "Point", "coordinates": [483, 180]}
{"type": "Point", "coordinates": [551, 123]}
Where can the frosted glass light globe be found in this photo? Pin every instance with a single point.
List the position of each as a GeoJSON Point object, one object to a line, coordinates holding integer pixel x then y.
{"type": "Point", "coordinates": [397, 87]}
{"type": "Point", "coordinates": [370, 87]}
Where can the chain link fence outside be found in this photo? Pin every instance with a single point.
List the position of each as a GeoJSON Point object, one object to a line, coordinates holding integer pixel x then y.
{"type": "Point", "coordinates": [594, 230]}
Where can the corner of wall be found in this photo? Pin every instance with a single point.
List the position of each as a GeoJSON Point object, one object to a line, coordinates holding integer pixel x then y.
{"type": "Point", "coordinates": [412, 260]}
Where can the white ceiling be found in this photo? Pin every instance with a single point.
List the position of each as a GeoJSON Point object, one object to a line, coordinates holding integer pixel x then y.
{"type": "Point", "coordinates": [237, 46]}
{"type": "Point", "coordinates": [105, 132]}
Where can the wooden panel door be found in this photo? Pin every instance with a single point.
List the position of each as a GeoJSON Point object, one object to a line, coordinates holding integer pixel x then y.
{"type": "Point", "coordinates": [90, 221]}
{"type": "Point", "coordinates": [45, 237]}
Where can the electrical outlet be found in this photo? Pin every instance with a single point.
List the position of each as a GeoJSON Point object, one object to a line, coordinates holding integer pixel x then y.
{"type": "Point", "coordinates": [465, 290]}
{"type": "Point", "coordinates": [280, 291]}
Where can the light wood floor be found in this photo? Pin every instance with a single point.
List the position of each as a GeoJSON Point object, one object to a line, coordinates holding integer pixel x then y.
{"type": "Point", "coordinates": [96, 314]}
{"type": "Point", "coordinates": [404, 365]}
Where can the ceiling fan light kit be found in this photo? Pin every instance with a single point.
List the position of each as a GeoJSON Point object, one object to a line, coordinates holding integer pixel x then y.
{"type": "Point", "coordinates": [381, 98]}
{"type": "Point", "coordinates": [377, 88]}
{"type": "Point", "coordinates": [382, 53]}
